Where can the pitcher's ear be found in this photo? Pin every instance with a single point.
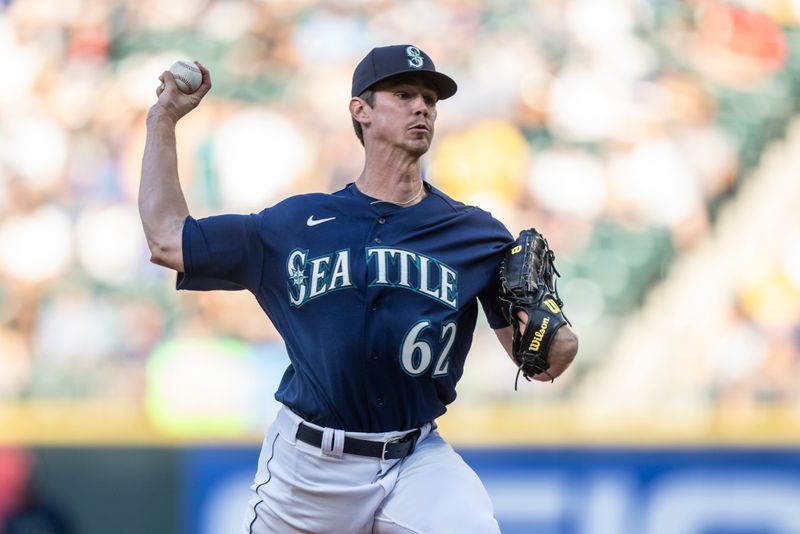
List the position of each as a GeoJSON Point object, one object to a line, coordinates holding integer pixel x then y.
{"type": "Point", "coordinates": [360, 110]}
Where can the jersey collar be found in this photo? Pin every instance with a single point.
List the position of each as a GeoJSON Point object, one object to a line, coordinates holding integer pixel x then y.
{"type": "Point", "coordinates": [387, 207]}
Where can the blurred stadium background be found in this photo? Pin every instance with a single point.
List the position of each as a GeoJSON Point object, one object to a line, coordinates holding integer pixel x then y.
{"type": "Point", "coordinates": [656, 143]}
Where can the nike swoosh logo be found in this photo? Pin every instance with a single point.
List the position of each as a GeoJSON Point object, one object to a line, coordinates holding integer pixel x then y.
{"type": "Point", "coordinates": [312, 222]}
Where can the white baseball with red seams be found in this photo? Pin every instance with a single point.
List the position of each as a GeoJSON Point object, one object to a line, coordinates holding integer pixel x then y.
{"type": "Point", "coordinates": [187, 76]}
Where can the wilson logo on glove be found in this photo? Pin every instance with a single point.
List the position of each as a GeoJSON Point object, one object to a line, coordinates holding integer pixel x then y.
{"type": "Point", "coordinates": [537, 337]}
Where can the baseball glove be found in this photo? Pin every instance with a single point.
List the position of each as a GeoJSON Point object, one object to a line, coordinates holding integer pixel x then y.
{"type": "Point", "coordinates": [527, 278]}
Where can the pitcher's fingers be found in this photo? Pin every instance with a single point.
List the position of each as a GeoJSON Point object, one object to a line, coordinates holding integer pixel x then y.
{"type": "Point", "coordinates": [167, 78]}
{"type": "Point", "coordinates": [159, 90]}
{"type": "Point", "coordinates": [168, 84]}
{"type": "Point", "coordinates": [205, 85]}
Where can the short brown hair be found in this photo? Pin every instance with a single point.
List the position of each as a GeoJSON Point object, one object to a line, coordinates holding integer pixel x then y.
{"type": "Point", "coordinates": [367, 96]}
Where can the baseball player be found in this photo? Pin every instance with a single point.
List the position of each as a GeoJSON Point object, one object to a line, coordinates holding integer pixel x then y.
{"type": "Point", "coordinates": [375, 291]}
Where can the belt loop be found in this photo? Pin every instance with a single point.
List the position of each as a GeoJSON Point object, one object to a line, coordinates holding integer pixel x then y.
{"type": "Point", "coordinates": [338, 443]}
{"type": "Point", "coordinates": [332, 442]}
{"type": "Point", "coordinates": [326, 446]}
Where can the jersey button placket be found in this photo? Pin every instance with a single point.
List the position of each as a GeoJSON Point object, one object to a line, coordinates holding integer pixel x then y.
{"type": "Point", "coordinates": [381, 220]}
{"type": "Point", "coordinates": [379, 400]}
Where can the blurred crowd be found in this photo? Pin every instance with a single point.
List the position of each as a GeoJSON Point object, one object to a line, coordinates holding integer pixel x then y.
{"type": "Point", "coordinates": [621, 129]}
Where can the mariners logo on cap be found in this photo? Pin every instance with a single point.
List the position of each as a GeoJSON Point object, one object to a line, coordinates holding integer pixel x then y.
{"type": "Point", "coordinates": [415, 59]}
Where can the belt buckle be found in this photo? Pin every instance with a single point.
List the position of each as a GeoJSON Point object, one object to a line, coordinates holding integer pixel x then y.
{"type": "Point", "coordinates": [386, 444]}
{"type": "Point", "coordinates": [412, 436]}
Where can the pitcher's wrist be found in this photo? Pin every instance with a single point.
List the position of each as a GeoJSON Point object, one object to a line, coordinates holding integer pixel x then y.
{"type": "Point", "coordinates": [158, 114]}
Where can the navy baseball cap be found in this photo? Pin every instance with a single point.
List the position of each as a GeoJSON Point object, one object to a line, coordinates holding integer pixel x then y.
{"type": "Point", "coordinates": [388, 61]}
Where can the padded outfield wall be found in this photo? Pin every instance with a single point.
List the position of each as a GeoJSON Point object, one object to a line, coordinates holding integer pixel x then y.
{"type": "Point", "coordinates": [546, 490]}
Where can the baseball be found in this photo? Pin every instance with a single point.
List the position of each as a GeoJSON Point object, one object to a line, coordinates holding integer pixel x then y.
{"type": "Point", "coordinates": [187, 76]}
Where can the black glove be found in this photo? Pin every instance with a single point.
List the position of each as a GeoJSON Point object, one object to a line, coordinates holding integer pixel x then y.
{"type": "Point", "coordinates": [527, 277]}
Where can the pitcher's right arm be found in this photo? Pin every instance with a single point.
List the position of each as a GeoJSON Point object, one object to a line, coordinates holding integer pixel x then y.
{"type": "Point", "coordinates": [162, 206]}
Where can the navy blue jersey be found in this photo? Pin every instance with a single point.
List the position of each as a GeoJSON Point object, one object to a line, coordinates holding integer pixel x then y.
{"type": "Point", "coordinates": [376, 303]}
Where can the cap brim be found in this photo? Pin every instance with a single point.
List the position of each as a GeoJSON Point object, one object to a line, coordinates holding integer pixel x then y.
{"type": "Point", "coordinates": [444, 85]}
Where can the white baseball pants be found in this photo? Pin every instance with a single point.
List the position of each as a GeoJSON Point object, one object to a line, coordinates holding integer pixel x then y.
{"type": "Point", "coordinates": [300, 488]}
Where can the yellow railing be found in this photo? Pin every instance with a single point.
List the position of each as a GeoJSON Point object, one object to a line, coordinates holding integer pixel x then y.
{"type": "Point", "coordinates": [80, 423]}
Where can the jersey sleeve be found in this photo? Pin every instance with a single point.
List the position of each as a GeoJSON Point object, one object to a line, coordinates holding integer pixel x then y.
{"type": "Point", "coordinates": [222, 252]}
{"type": "Point", "coordinates": [490, 300]}
{"type": "Point", "coordinates": [499, 240]}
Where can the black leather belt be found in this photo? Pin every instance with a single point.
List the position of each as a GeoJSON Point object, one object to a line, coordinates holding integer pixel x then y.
{"type": "Point", "coordinates": [385, 450]}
